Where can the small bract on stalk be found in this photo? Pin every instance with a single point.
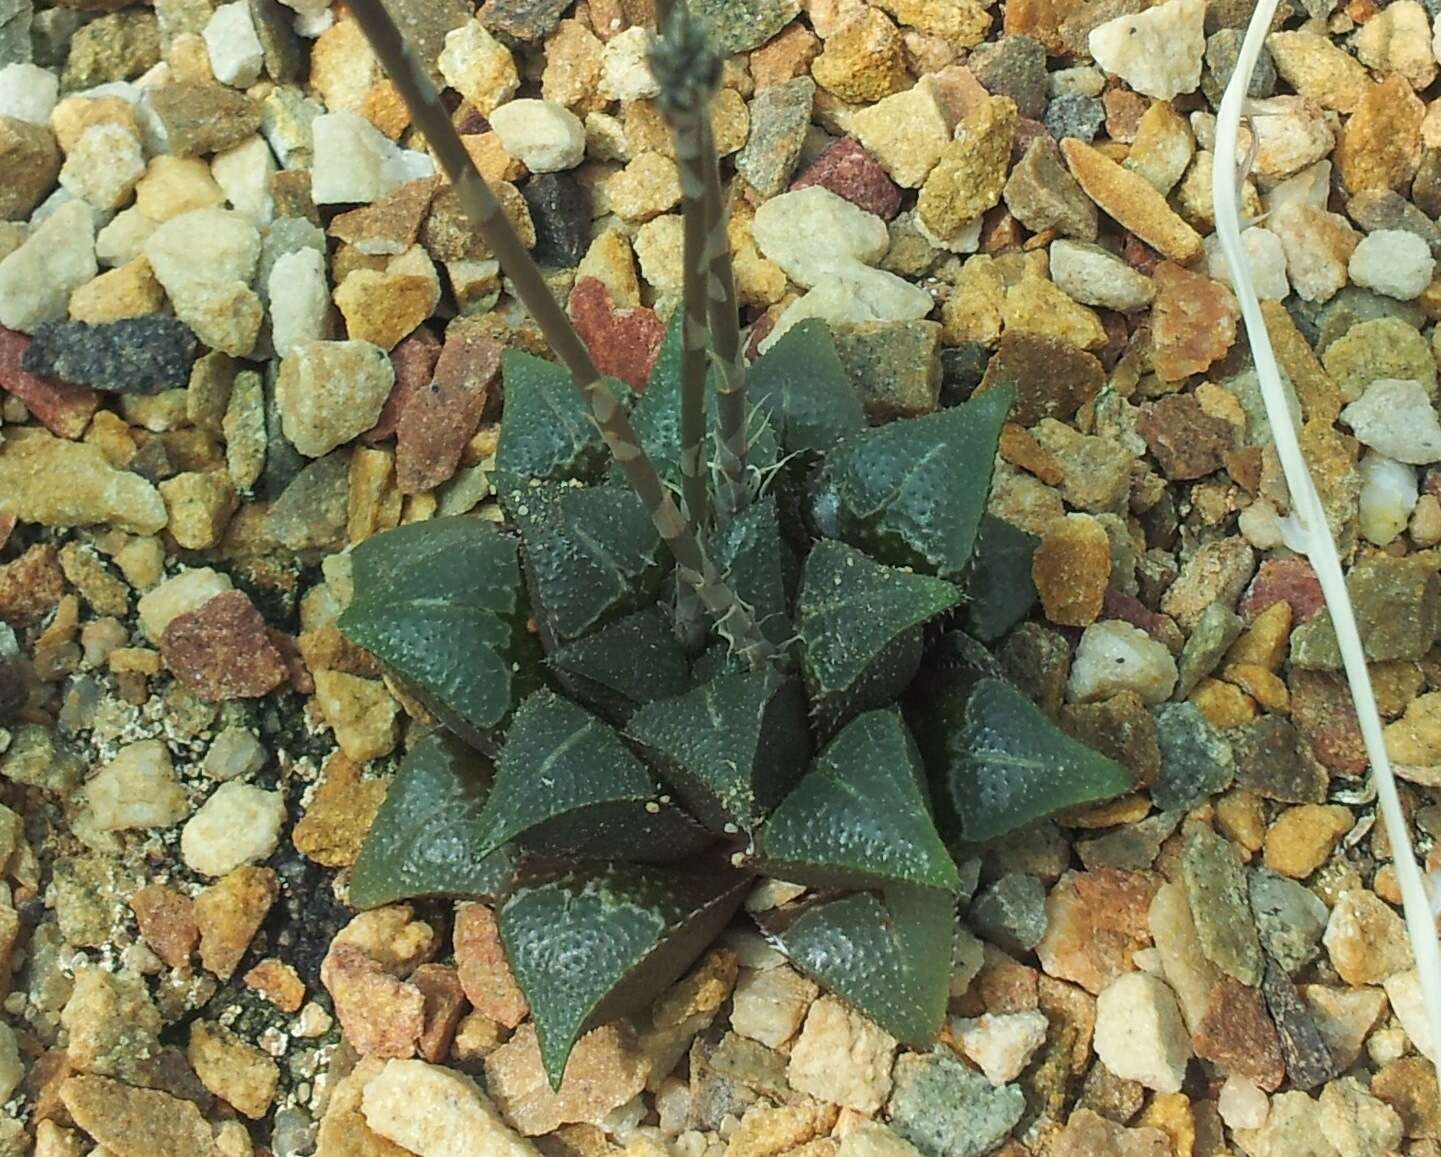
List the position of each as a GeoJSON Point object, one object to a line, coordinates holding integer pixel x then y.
{"type": "Point", "coordinates": [693, 565]}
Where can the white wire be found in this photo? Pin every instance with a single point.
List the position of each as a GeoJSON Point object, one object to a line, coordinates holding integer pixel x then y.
{"type": "Point", "coordinates": [1314, 532]}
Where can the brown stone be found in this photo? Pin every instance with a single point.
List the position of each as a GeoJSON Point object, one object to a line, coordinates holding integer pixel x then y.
{"type": "Point", "coordinates": [624, 342]}
{"type": "Point", "coordinates": [484, 972]}
{"type": "Point", "coordinates": [1186, 441]}
{"type": "Point", "coordinates": [132, 1122]}
{"type": "Point", "coordinates": [447, 232]}
{"type": "Point", "coordinates": [1380, 145]}
{"type": "Point", "coordinates": [1052, 378]}
{"type": "Point", "coordinates": [785, 56]}
{"type": "Point", "coordinates": [1096, 922]}
{"type": "Point", "coordinates": [1071, 569]}
{"type": "Point", "coordinates": [606, 1069]}
{"type": "Point", "coordinates": [1121, 728]}
{"type": "Point", "coordinates": [63, 408]}
{"type": "Point", "coordinates": [1043, 195]}
{"type": "Point", "coordinates": [222, 650]}
{"type": "Point", "coordinates": [1408, 1085]}
{"type": "Point", "coordinates": [229, 913]}
{"type": "Point", "coordinates": [339, 816]}
{"type": "Point", "coordinates": [390, 225]}
{"type": "Point", "coordinates": [864, 59]}
{"type": "Point", "coordinates": [380, 1014]}
{"type": "Point", "coordinates": [444, 1004]}
{"type": "Point", "coordinates": [236, 1072]}
{"type": "Point", "coordinates": [1088, 1134]}
{"type": "Point", "coordinates": [1289, 580]}
{"type": "Point", "coordinates": [202, 118]}
{"type": "Point", "coordinates": [1131, 200]}
{"type": "Point", "coordinates": [166, 919]}
{"type": "Point", "coordinates": [279, 983]}
{"type": "Point", "coordinates": [1303, 837]}
{"type": "Point", "coordinates": [1193, 322]}
{"type": "Point", "coordinates": [1325, 715]}
{"type": "Point", "coordinates": [848, 171]}
{"type": "Point", "coordinates": [414, 362]}
{"type": "Point", "coordinates": [439, 420]}
{"type": "Point", "coordinates": [31, 586]}
{"type": "Point", "coordinates": [31, 159]}
{"type": "Point", "coordinates": [1238, 1034]}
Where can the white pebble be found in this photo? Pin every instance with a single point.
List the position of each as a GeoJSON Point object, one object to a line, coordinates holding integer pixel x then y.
{"type": "Point", "coordinates": [1157, 52]}
{"type": "Point", "coordinates": [355, 163]}
{"type": "Point", "coordinates": [478, 66]}
{"type": "Point", "coordinates": [233, 753]}
{"type": "Point", "coordinates": [137, 789]}
{"type": "Point", "coordinates": [104, 166]}
{"type": "Point", "coordinates": [812, 233]}
{"type": "Point", "coordinates": [855, 293]}
{"type": "Point", "coordinates": [1241, 1104]}
{"type": "Point", "coordinates": [239, 824]}
{"type": "Point", "coordinates": [28, 93]}
{"type": "Point", "coordinates": [1140, 1035]}
{"type": "Point", "coordinates": [1394, 262]}
{"type": "Point", "coordinates": [1395, 417]}
{"type": "Point", "coordinates": [1114, 656]}
{"type": "Point", "coordinates": [1096, 276]}
{"type": "Point", "coordinates": [236, 56]}
{"type": "Point", "coordinates": [1388, 495]}
{"type": "Point", "coordinates": [244, 173]}
{"type": "Point", "coordinates": [1266, 257]}
{"type": "Point", "coordinates": [544, 136]}
{"type": "Point", "coordinates": [1002, 1044]}
{"type": "Point", "coordinates": [299, 300]}
{"type": "Point", "coordinates": [58, 257]}
{"type": "Point", "coordinates": [625, 67]}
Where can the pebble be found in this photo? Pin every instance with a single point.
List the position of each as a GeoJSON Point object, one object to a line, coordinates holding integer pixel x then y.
{"type": "Point", "coordinates": [1356, 1122]}
{"type": "Point", "coordinates": [58, 483]}
{"type": "Point", "coordinates": [200, 504]}
{"type": "Point", "coordinates": [131, 1122]}
{"type": "Point", "coordinates": [849, 171]}
{"type": "Point", "coordinates": [780, 119]}
{"type": "Point", "coordinates": [1241, 1104]}
{"type": "Point", "coordinates": [1215, 883]}
{"type": "Point", "coordinates": [1193, 322]}
{"type": "Point", "coordinates": [137, 789]}
{"type": "Point", "coordinates": [236, 55]}
{"type": "Point", "coordinates": [606, 1069]}
{"type": "Point", "coordinates": [435, 1111]}
{"type": "Point", "coordinates": [484, 974]}
{"type": "Point", "coordinates": [197, 117]}
{"type": "Point", "coordinates": [1094, 276]}
{"type": "Point", "coordinates": [1071, 569]}
{"type": "Point", "coordinates": [479, 67]}
{"type": "Point", "coordinates": [1113, 656]}
{"type": "Point", "coordinates": [940, 1106]}
{"type": "Point", "coordinates": [560, 208]}
{"type": "Point", "coordinates": [842, 1057]}
{"type": "Point", "coordinates": [1388, 496]}
{"type": "Point", "coordinates": [907, 132]}
{"type": "Point", "coordinates": [1042, 194]}
{"type": "Point", "coordinates": [1266, 259]}
{"type": "Point", "coordinates": [1398, 42]}
{"type": "Point", "coordinates": [65, 410]}
{"type": "Point", "coordinates": [104, 166]}
{"type": "Point", "coordinates": [1157, 52]}
{"type": "Point", "coordinates": [222, 650]}
{"type": "Point", "coordinates": [1011, 913]}
{"type": "Point", "coordinates": [354, 163]}
{"type": "Point", "coordinates": [1378, 348]}
{"type": "Point", "coordinates": [205, 260]}
{"type": "Point", "coordinates": [971, 173]}
{"type": "Point", "coordinates": [1394, 262]}
{"type": "Point", "coordinates": [299, 300]}
{"type": "Point", "coordinates": [1001, 1044]}
{"type": "Point", "coordinates": [32, 161]}
{"type": "Point", "coordinates": [143, 355]}
{"type": "Point", "coordinates": [242, 1075]}
{"type": "Point", "coordinates": [1196, 761]}
{"type": "Point", "coordinates": [1380, 145]}
{"type": "Point", "coordinates": [1129, 197]}
{"type": "Point", "coordinates": [1140, 1035]}
{"type": "Point", "coordinates": [37, 279]}
{"type": "Point", "coordinates": [1318, 247]}
{"type": "Point", "coordinates": [855, 293]}
{"type": "Point", "coordinates": [1403, 991]}
{"type": "Point", "coordinates": [28, 93]}
{"type": "Point", "coordinates": [1316, 68]}
{"type": "Point", "coordinates": [625, 66]}
{"type": "Point", "coordinates": [382, 306]}
{"type": "Point", "coordinates": [233, 753]}
{"type": "Point", "coordinates": [1303, 837]}
{"type": "Point", "coordinates": [238, 824]}
{"type": "Point", "coordinates": [1096, 922]}
{"type": "Point", "coordinates": [1365, 939]}
{"type": "Point", "coordinates": [813, 232]}
{"type": "Point", "coordinates": [648, 186]}
{"type": "Point", "coordinates": [1238, 1035]}
{"type": "Point", "coordinates": [330, 391]}
{"type": "Point", "coordinates": [770, 1004]}
{"type": "Point", "coordinates": [544, 136]}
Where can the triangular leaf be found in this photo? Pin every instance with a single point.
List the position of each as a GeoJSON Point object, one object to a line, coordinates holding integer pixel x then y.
{"type": "Point", "coordinates": [912, 492]}
{"type": "Point", "coordinates": [440, 603]}
{"type": "Point", "coordinates": [889, 955]}
{"type": "Point", "coordinates": [998, 763]}
{"type": "Point", "coordinates": [591, 554]}
{"type": "Point", "coordinates": [755, 560]}
{"type": "Point", "coordinates": [860, 627]}
{"type": "Point", "coordinates": [547, 432]}
{"type": "Point", "coordinates": [801, 383]}
{"type": "Point", "coordinates": [566, 785]}
{"type": "Point", "coordinates": [631, 661]}
{"type": "Point", "coordinates": [732, 747]}
{"type": "Point", "coordinates": [423, 840]}
{"type": "Point", "coordinates": [999, 589]}
{"type": "Point", "coordinates": [587, 948]}
{"type": "Point", "coordinates": [860, 817]}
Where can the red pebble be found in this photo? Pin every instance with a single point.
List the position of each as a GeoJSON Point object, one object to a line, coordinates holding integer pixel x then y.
{"type": "Point", "coordinates": [624, 342]}
{"type": "Point", "coordinates": [439, 419]}
{"type": "Point", "coordinates": [1289, 580]}
{"type": "Point", "coordinates": [848, 171]}
{"type": "Point", "coordinates": [414, 360]}
{"type": "Point", "coordinates": [222, 650]}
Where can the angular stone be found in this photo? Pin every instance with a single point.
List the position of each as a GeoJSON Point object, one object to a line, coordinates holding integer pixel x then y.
{"type": "Point", "coordinates": [1043, 195]}
{"type": "Point", "coordinates": [1238, 1034]}
{"type": "Point", "coordinates": [167, 923]}
{"type": "Point", "coordinates": [64, 409]}
{"type": "Point", "coordinates": [484, 972]}
{"type": "Point", "coordinates": [1397, 602]}
{"type": "Point", "coordinates": [1186, 441]}
{"type": "Point", "coordinates": [1132, 201]}
{"type": "Point", "coordinates": [780, 116]}
{"type": "Point", "coordinates": [222, 650]}
{"type": "Point", "coordinates": [1052, 378]}
{"type": "Point", "coordinates": [1289, 919]}
{"type": "Point", "coordinates": [1366, 939]}
{"type": "Point", "coordinates": [1380, 145]}
{"type": "Point", "coordinates": [32, 163]}
{"type": "Point", "coordinates": [1193, 322]}
{"type": "Point", "coordinates": [842, 1058]}
{"type": "Point", "coordinates": [132, 1122]}
{"type": "Point", "coordinates": [1088, 1133]}
{"type": "Point", "coordinates": [199, 118]}
{"type": "Point", "coordinates": [1215, 881]}
{"type": "Point", "coordinates": [907, 132]}
{"type": "Point", "coordinates": [1139, 1032]}
{"type": "Point", "coordinates": [863, 60]}
{"type": "Point", "coordinates": [1196, 761]}
{"type": "Point", "coordinates": [1096, 922]}
{"type": "Point", "coordinates": [1071, 569]}
{"type": "Point", "coordinates": [229, 913]}
{"type": "Point", "coordinates": [425, 1108]}
{"type": "Point", "coordinates": [944, 1108]}
{"type": "Point", "coordinates": [606, 1069]}
{"type": "Point", "coordinates": [971, 173]}
{"type": "Point", "coordinates": [895, 365]}
{"type": "Point", "coordinates": [1308, 1060]}
{"type": "Point", "coordinates": [849, 171]}
{"type": "Point", "coordinates": [58, 483]}
{"type": "Point", "coordinates": [239, 1073]}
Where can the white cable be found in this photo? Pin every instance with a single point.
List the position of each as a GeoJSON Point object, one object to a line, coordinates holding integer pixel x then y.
{"type": "Point", "coordinates": [1312, 533]}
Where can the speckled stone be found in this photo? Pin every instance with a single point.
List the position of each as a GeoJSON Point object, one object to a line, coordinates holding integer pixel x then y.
{"type": "Point", "coordinates": [946, 1109]}
{"type": "Point", "coordinates": [740, 25]}
{"type": "Point", "coordinates": [1215, 884]}
{"type": "Point", "coordinates": [1010, 913]}
{"type": "Point", "coordinates": [1014, 66]}
{"type": "Point", "coordinates": [1074, 114]}
{"type": "Point", "coordinates": [1290, 919]}
{"type": "Point", "coordinates": [1213, 634]}
{"type": "Point", "coordinates": [1270, 762]}
{"type": "Point", "coordinates": [200, 118]}
{"type": "Point", "coordinates": [560, 209]}
{"type": "Point", "coordinates": [1307, 1058]}
{"type": "Point", "coordinates": [138, 355]}
{"type": "Point", "coordinates": [1196, 761]}
{"type": "Point", "coordinates": [1223, 47]}
{"type": "Point", "coordinates": [1397, 601]}
{"type": "Point", "coordinates": [522, 21]}
{"type": "Point", "coordinates": [780, 119]}
{"type": "Point", "coordinates": [895, 365]}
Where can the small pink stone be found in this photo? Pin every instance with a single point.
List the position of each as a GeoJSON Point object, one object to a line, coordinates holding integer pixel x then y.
{"type": "Point", "coordinates": [414, 360]}
{"type": "Point", "coordinates": [848, 171]}
{"type": "Point", "coordinates": [624, 342]}
{"type": "Point", "coordinates": [440, 418]}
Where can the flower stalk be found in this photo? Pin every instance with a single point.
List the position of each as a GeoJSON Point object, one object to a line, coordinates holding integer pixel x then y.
{"type": "Point", "coordinates": [693, 566]}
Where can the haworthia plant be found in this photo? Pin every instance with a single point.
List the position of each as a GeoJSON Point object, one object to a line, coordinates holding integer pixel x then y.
{"type": "Point", "coordinates": [718, 635]}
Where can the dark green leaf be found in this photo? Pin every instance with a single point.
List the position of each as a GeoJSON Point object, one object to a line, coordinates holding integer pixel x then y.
{"type": "Point", "coordinates": [802, 385]}
{"type": "Point", "coordinates": [423, 840]}
{"type": "Point", "coordinates": [860, 817]}
{"type": "Point", "coordinates": [890, 957]}
{"type": "Point", "coordinates": [999, 589]}
{"type": "Point", "coordinates": [567, 786]}
{"type": "Point", "coordinates": [912, 492]}
{"type": "Point", "coordinates": [998, 763]}
{"type": "Point", "coordinates": [547, 431]}
{"type": "Point", "coordinates": [732, 748]}
{"type": "Point", "coordinates": [587, 948]}
{"type": "Point", "coordinates": [860, 627]}
{"type": "Point", "coordinates": [441, 605]}
{"type": "Point", "coordinates": [631, 661]}
{"type": "Point", "coordinates": [755, 559]}
{"type": "Point", "coordinates": [591, 553]}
